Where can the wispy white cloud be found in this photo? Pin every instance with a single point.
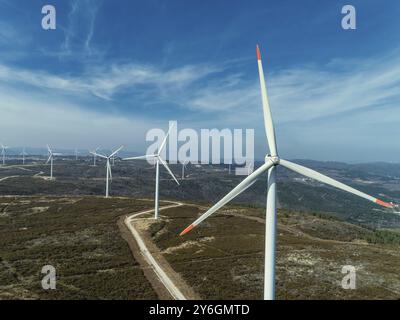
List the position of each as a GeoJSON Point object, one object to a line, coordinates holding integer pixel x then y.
{"type": "Point", "coordinates": [80, 28]}
{"type": "Point", "coordinates": [308, 93]}
{"type": "Point", "coordinates": [105, 82]}
{"type": "Point", "coordinates": [335, 104]}
{"type": "Point", "coordinates": [296, 94]}
{"type": "Point", "coordinates": [300, 93]}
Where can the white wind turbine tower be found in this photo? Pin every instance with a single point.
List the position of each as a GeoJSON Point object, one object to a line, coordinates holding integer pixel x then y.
{"type": "Point", "coordinates": [157, 158]}
{"type": "Point", "coordinates": [76, 154]}
{"type": "Point", "coordinates": [271, 162]}
{"type": "Point", "coordinates": [51, 158]}
{"type": "Point", "coordinates": [183, 169]}
{"type": "Point", "coordinates": [23, 154]}
{"type": "Point", "coordinates": [108, 165]}
{"type": "Point", "coordinates": [3, 153]}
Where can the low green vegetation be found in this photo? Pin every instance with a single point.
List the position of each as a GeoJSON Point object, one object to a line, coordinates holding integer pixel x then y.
{"type": "Point", "coordinates": [384, 236]}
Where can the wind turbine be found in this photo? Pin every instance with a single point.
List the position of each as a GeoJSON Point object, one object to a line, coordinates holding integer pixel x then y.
{"type": "Point", "coordinates": [108, 165]}
{"type": "Point", "coordinates": [157, 158]}
{"type": "Point", "coordinates": [76, 154]}
{"type": "Point", "coordinates": [51, 156]}
{"type": "Point", "coordinates": [23, 154]}
{"type": "Point", "coordinates": [272, 160]}
{"type": "Point", "coordinates": [3, 153]}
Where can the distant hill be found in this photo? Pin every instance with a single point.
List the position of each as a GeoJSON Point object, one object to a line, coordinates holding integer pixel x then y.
{"type": "Point", "coordinates": [209, 183]}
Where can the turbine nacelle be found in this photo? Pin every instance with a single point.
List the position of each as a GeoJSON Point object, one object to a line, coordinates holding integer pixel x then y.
{"type": "Point", "coordinates": [108, 166]}
{"type": "Point", "coordinates": [274, 159]}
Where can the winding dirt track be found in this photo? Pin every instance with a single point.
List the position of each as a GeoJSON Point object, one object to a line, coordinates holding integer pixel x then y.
{"type": "Point", "coordinates": [9, 177]}
{"type": "Point", "coordinates": [36, 175]}
{"type": "Point", "coordinates": [162, 276]}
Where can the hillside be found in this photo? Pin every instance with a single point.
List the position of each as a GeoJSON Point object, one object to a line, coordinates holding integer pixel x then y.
{"type": "Point", "coordinates": [209, 183]}
{"type": "Point", "coordinates": [223, 257]}
{"type": "Point", "coordinates": [79, 236]}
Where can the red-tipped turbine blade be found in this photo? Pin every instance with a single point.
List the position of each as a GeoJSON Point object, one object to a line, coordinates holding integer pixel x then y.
{"type": "Point", "coordinates": [383, 203]}
{"type": "Point", "coordinates": [187, 230]}
{"type": "Point", "coordinates": [258, 53]}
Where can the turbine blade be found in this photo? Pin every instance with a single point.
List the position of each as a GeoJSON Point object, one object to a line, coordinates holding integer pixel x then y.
{"type": "Point", "coordinates": [141, 157]}
{"type": "Point", "coordinates": [165, 140]}
{"type": "Point", "coordinates": [49, 159]}
{"type": "Point", "coordinates": [268, 123]}
{"type": "Point", "coordinates": [322, 178]}
{"type": "Point", "coordinates": [98, 155]}
{"type": "Point", "coordinates": [168, 169]}
{"type": "Point", "coordinates": [246, 183]}
{"type": "Point", "coordinates": [115, 152]}
{"type": "Point", "coordinates": [48, 149]}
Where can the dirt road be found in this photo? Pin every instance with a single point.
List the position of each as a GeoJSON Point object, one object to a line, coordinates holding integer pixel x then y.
{"type": "Point", "coordinates": [161, 274]}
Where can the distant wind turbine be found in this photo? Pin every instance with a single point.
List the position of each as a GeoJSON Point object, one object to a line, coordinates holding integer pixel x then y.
{"type": "Point", "coordinates": [23, 154]}
{"type": "Point", "coordinates": [108, 165]}
{"type": "Point", "coordinates": [271, 162]}
{"type": "Point", "coordinates": [3, 153]}
{"type": "Point", "coordinates": [51, 156]}
{"type": "Point", "coordinates": [157, 158]}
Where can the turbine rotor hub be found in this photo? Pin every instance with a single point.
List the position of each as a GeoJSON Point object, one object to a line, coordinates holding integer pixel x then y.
{"type": "Point", "coordinates": [273, 159]}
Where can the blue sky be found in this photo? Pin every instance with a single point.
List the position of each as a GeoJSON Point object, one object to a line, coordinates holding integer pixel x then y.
{"type": "Point", "coordinates": [114, 69]}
